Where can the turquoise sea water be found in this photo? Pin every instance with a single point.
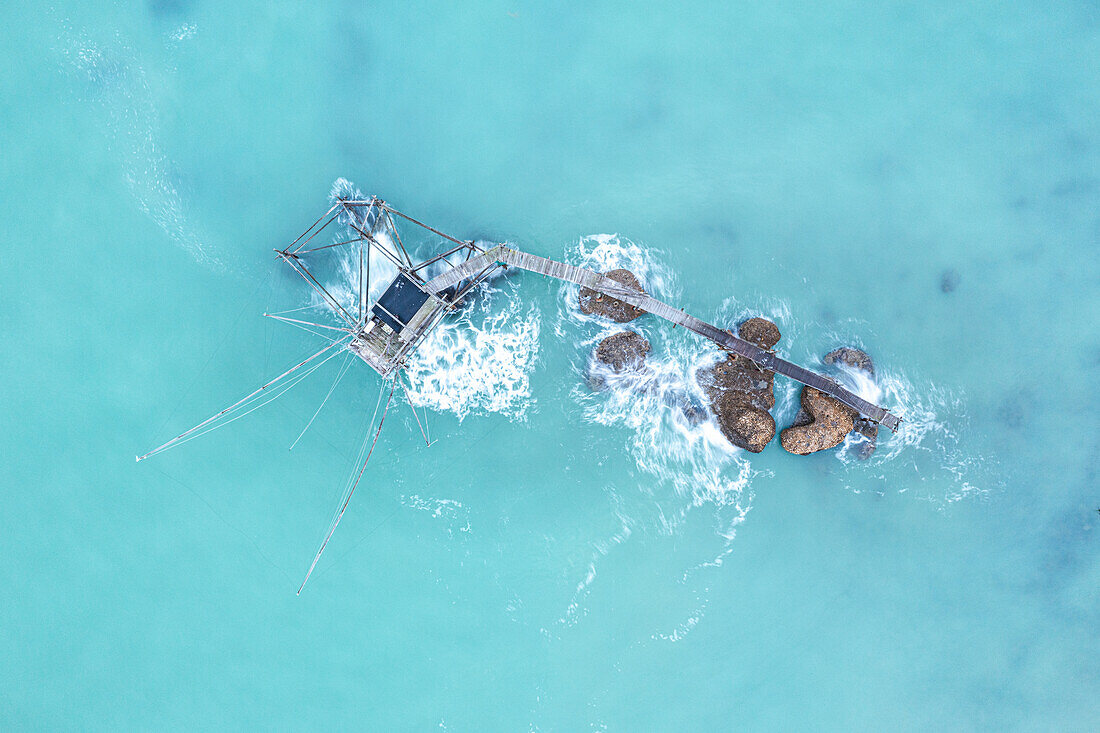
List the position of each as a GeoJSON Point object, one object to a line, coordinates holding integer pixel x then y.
{"type": "Point", "coordinates": [558, 560]}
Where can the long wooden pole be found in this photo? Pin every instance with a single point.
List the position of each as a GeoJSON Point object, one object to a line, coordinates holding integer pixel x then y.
{"type": "Point", "coordinates": [238, 403]}
{"type": "Point", "coordinates": [291, 260]}
{"type": "Point", "coordinates": [347, 500]}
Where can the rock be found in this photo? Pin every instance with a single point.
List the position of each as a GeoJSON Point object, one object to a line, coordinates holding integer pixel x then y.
{"type": "Point", "coordinates": [593, 303]}
{"type": "Point", "coordinates": [623, 351]}
{"type": "Point", "coordinates": [759, 331]}
{"type": "Point", "coordinates": [741, 393]}
{"type": "Point", "coordinates": [822, 423]}
{"type": "Point", "coordinates": [852, 357]}
{"type": "Point", "coordinates": [949, 280]}
{"type": "Point", "coordinates": [694, 413]}
{"type": "Point", "coordinates": [869, 430]}
{"type": "Point", "coordinates": [858, 359]}
{"type": "Point", "coordinates": [743, 425]}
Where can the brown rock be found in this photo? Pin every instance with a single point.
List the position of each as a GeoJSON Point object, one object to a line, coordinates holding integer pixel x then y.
{"type": "Point", "coordinates": [742, 424]}
{"type": "Point", "coordinates": [822, 423]}
{"type": "Point", "coordinates": [741, 393]}
{"type": "Point", "coordinates": [623, 351]}
{"type": "Point", "coordinates": [594, 303]}
{"type": "Point", "coordinates": [759, 331]}
{"type": "Point", "coordinates": [867, 428]}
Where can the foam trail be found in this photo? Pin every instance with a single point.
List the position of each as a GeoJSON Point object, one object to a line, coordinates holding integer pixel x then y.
{"type": "Point", "coordinates": [673, 439]}
{"type": "Point", "coordinates": [454, 514]}
{"type": "Point", "coordinates": [664, 406]}
{"type": "Point", "coordinates": [119, 86]}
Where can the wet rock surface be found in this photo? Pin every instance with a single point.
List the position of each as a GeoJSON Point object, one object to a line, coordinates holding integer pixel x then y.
{"type": "Point", "coordinates": [822, 423]}
{"type": "Point", "coordinates": [623, 351]}
{"type": "Point", "coordinates": [852, 357]}
{"type": "Point", "coordinates": [741, 393]}
{"type": "Point", "coordinates": [594, 303]}
{"type": "Point", "coordinates": [858, 359]}
{"type": "Point", "coordinates": [759, 331]}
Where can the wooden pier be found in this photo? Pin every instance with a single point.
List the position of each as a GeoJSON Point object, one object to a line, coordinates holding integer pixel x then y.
{"type": "Point", "coordinates": [588, 279]}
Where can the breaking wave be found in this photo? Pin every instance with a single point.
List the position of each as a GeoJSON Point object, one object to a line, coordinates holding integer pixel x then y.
{"type": "Point", "coordinates": [480, 361]}
{"type": "Point", "coordinates": [672, 437]}
{"type": "Point", "coordinates": [928, 448]}
{"type": "Point", "coordinates": [675, 440]}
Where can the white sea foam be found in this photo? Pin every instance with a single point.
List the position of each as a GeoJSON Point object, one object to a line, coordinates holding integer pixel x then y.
{"type": "Point", "coordinates": [183, 32]}
{"type": "Point", "coordinates": [674, 440]}
{"type": "Point", "coordinates": [935, 418]}
{"type": "Point", "coordinates": [480, 361]}
{"type": "Point", "coordinates": [927, 450]}
{"type": "Point", "coordinates": [454, 515]}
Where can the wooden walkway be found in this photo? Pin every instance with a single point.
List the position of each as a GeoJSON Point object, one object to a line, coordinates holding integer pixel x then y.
{"type": "Point", "coordinates": [726, 340]}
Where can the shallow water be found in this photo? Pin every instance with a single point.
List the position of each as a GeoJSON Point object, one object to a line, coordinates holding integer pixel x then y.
{"type": "Point", "coordinates": [917, 180]}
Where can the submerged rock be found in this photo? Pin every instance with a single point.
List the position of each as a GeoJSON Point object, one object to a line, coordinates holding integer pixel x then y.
{"type": "Point", "coordinates": [741, 393]}
{"type": "Point", "coordinates": [822, 423]}
{"type": "Point", "coordinates": [623, 351]}
{"type": "Point", "coordinates": [625, 354]}
{"type": "Point", "coordinates": [858, 359]}
{"type": "Point", "coordinates": [852, 357]}
{"type": "Point", "coordinates": [594, 303]}
{"type": "Point", "coordinates": [949, 280]}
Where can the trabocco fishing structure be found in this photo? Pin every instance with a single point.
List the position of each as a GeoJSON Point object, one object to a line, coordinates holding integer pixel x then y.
{"type": "Point", "coordinates": [385, 331]}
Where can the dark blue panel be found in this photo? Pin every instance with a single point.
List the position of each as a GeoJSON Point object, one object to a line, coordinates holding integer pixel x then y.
{"type": "Point", "coordinates": [399, 303]}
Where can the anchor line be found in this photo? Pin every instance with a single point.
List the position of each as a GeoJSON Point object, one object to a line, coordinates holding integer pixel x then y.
{"type": "Point", "coordinates": [339, 376]}
{"type": "Point", "coordinates": [408, 399]}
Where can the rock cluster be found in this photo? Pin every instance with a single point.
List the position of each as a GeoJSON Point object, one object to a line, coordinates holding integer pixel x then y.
{"type": "Point", "coordinates": [822, 423]}
{"type": "Point", "coordinates": [867, 428]}
{"type": "Point", "coordinates": [741, 393]}
{"type": "Point", "coordinates": [594, 303]}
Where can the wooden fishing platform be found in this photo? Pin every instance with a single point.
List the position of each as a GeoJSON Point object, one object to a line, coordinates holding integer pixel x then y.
{"type": "Point", "coordinates": [385, 332]}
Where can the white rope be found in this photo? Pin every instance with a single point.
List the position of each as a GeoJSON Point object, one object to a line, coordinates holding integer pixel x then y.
{"type": "Point", "coordinates": [361, 452]}
{"type": "Point", "coordinates": [280, 391]}
{"type": "Point", "coordinates": [339, 376]}
{"type": "Point", "coordinates": [408, 399]}
{"type": "Point", "coordinates": [347, 499]}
